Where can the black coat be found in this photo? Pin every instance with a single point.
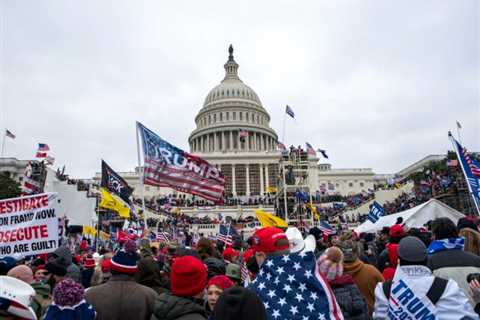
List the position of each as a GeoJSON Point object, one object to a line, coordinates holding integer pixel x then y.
{"type": "Point", "coordinates": [170, 307]}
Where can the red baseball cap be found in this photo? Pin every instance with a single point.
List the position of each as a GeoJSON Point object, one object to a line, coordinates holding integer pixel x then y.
{"type": "Point", "coordinates": [229, 253]}
{"type": "Point", "coordinates": [397, 231]}
{"type": "Point", "coordinates": [269, 239]}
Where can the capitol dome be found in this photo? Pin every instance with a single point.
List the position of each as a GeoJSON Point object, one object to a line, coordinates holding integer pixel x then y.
{"type": "Point", "coordinates": [232, 118]}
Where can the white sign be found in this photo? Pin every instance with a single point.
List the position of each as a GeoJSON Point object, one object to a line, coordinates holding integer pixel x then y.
{"type": "Point", "coordinates": [29, 225]}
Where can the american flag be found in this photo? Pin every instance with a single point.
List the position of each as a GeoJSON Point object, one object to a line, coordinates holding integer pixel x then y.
{"type": "Point", "coordinates": [244, 273]}
{"type": "Point", "coordinates": [163, 237]}
{"type": "Point", "coordinates": [325, 228]}
{"type": "Point", "coordinates": [310, 149]}
{"type": "Point", "coordinates": [289, 111]}
{"type": "Point", "coordinates": [472, 164]}
{"type": "Point", "coordinates": [291, 288]}
{"type": "Point", "coordinates": [281, 146]}
{"type": "Point", "coordinates": [243, 133]}
{"type": "Point", "coordinates": [43, 147]}
{"type": "Point", "coordinates": [225, 235]}
{"type": "Point", "coordinates": [169, 166]}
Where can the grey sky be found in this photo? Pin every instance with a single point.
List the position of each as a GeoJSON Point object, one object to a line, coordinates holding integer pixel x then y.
{"type": "Point", "coordinates": [376, 83]}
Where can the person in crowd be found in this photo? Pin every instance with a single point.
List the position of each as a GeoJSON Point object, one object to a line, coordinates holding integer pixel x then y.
{"type": "Point", "coordinates": [468, 229]}
{"type": "Point", "coordinates": [215, 288]}
{"type": "Point", "coordinates": [238, 303]}
{"type": "Point", "coordinates": [188, 279]}
{"type": "Point", "coordinates": [56, 272]}
{"type": "Point", "coordinates": [206, 249]}
{"type": "Point", "coordinates": [42, 298]}
{"type": "Point", "coordinates": [69, 303]}
{"type": "Point", "coordinates": [234, 273]}
{"type": "Point", "coordinates": [382, 240]}
{"type": "Point", "coordinates": [15, 297]}
{"type": "Point", "coordinates": [63, 256]}
{"type": "Point", "coordinates": [474, 285]}
{"type": "Point", "coordinates": [102, 272]}
{"type": "Point", "coordinates": [39, 273]}
{"type": "Point", "coordinates": [6, 263]}
{"type": "Point", "coordinates": [414, 293]}
{"type": "Point", "coordinates": [87, 271]}
{"type": "Point", "coordinates": [148, 270]}
{"type": "Point", "coordinates": [215, 267]}
{"type": "Point", "coordinates": [364, 275]}
{"type": "Point", "coordinates": [349, 298]}
{"type": "Point", "coordinates": [230, 255]}
{"type": "Point", "coordinates": [121, 298]}
{"type": "Point", "coordinates": [447, 258]}
{"type": "Point", "coordinates": [388, 258]}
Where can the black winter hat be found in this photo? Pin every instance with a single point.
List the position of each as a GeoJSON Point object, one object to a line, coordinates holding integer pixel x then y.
{"type": "Point", "coordinates": [215, 267]}
{"type": "Point", "coordinates": [239, 303]}
{"type": "Point", "coordinates": [56, 269]}
{"type": "Point", "coordinates": [316, 232]}
{"type": "Point", "coordinates": [466, 223]}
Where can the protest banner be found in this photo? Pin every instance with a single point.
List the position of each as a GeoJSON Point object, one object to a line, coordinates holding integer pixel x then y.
{"type": "Point", "coordinates": [29, 225]}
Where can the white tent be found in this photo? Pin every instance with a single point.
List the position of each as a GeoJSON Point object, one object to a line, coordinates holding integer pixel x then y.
{"type": "Point", "coordinates": [414, 217]}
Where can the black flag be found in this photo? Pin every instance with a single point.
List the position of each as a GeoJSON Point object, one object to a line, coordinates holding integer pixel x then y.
{"type": "Point", "coordinates": [114, 183]}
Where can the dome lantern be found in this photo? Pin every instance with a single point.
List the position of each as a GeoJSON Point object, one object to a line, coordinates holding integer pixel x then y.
{"type": "Point", "coordinates": [231, 67]}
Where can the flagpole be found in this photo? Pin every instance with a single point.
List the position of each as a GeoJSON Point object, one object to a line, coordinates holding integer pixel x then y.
{"type": "Point", "coordinates": [458, 133]}
{"type": "Point", "coordinates": [3, 143]}
{"type": "Point", "coordinates": [140, 178]}
{"type": "Point", "coordinates": [283, 168]}
{"type": "Point", "coordinates": [464, 172]}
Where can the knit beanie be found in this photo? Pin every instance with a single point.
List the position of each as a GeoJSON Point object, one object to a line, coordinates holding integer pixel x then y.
{"type": "Point", "coordinates": [330, 264]}
{"type": "Point", "coordinates": [69, 303]}
{"type": "Point", "coordinates": [21, 272]}
{"type": "Point", "coordinates": [188, 276]}
{"type": "Point", "coordinates": [125, 260]}
{"type": "Point", "coordinates": [239, 303]}
{"type": "Point", "coordinates": [223, 282]}
{"type": "Point", "coordinates": [215, 267]}
{"type": "Point", "coordinates": [68, 293]}
{"type": "Point", "coordinates": [56, 269]}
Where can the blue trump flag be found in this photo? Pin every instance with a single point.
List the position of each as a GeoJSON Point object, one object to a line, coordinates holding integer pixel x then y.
{"type": "Point", "coordinates": [471, 170]}
{"type": "Point", "coordinates": [165, 165]}
{"type": "Point", "coordinates": [291, 287]}
{"type": "Point", "coordinates": [376, 211]}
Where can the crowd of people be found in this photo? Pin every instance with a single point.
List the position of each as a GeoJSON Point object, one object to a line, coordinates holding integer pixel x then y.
{"type": "Point", "coordinates": [427, 272]}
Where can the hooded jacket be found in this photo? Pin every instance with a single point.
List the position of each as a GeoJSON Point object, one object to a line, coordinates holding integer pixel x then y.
{"type": "Point", "coordinates": [148, 272]}
{"type": "Point", "coordinates": [170, 307]}
{"type": "Point", "coordinates": [408, 296]}
{"type": "Point", "coordinates": [366, 278]}
{"type": "Point", "coordinates": [64, 257]}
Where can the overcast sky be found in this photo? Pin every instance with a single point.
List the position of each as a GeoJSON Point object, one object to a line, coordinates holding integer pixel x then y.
{"type": "Point", "coordinates": [376, 83]}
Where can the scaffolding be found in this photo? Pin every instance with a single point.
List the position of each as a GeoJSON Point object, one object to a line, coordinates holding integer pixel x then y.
{"type": "Point", "coordinates": [294, 196]}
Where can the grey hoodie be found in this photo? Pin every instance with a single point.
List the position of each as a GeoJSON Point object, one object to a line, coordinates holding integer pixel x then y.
{"type": "Point", "coordinates": [64, 257]}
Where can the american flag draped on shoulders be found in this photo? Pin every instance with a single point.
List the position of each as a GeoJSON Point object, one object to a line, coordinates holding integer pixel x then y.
{"type": "Point", "coordinates": [169, 166]}
{"type": "Point", "coordinates": [291, 288]}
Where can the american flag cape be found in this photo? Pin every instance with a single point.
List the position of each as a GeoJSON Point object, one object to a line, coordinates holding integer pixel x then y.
{"type": "Point", "coordinates": [291, 288]}
{"type": "Point", "coordinates": [165, 165]}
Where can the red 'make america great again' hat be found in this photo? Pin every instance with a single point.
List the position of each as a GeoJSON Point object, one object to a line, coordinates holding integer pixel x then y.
{"type": "Point", "coordinates": [269, 239]}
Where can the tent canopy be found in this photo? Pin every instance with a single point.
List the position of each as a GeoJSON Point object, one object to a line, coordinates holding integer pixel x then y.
{"type": "Point", "coordinates": [413, 217]}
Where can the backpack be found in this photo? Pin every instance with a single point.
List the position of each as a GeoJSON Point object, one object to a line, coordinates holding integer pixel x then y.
{"type": "Point", "coordinates": [434, 293]}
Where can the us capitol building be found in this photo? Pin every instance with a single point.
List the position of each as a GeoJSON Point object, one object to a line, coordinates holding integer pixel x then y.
{"type": "Point", "coordinates": [233, 133]}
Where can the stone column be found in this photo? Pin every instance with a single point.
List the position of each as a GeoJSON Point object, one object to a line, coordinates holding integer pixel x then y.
{"type": "Point", "coordinates": [255, 141]}
{"type": "Point", "coordinates": [262, 186]}
{"type": "Point", "coordinates": [267, 183]}
{"type": "Point", "coordinates": [215, 142]}
{"type": "Point", "coordinates": [230, 137]}
{"type": "Point", "coordinates": [223, 141]}
{"type": "Point", "coordinates": [239, 143]}
{"type": "Point", "coordinates": [234, 186]}
{"type": "Point", "coordinates": [247, 173]}
{"type": "Point", "coordinates": [207, 147]}
{"type": "Point", "coordinates": [247, 140]}
{"type": "Point", "coordinates": [262, 137]}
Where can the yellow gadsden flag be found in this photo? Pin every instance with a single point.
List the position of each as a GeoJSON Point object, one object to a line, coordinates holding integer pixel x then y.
{"type": "Point", "coordinates": [269, 220]}
{"type": "Point", "coordinates": [271, 189]}
{"type": "Point", "coordinates": [110, 201]}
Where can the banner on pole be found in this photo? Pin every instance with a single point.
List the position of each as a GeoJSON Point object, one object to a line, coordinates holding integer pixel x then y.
{"type": "Point", "coordinates": [29, 225]}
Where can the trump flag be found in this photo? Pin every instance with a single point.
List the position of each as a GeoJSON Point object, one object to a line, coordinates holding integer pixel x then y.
{"type": "Point", "coordinates": [165, 165]}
